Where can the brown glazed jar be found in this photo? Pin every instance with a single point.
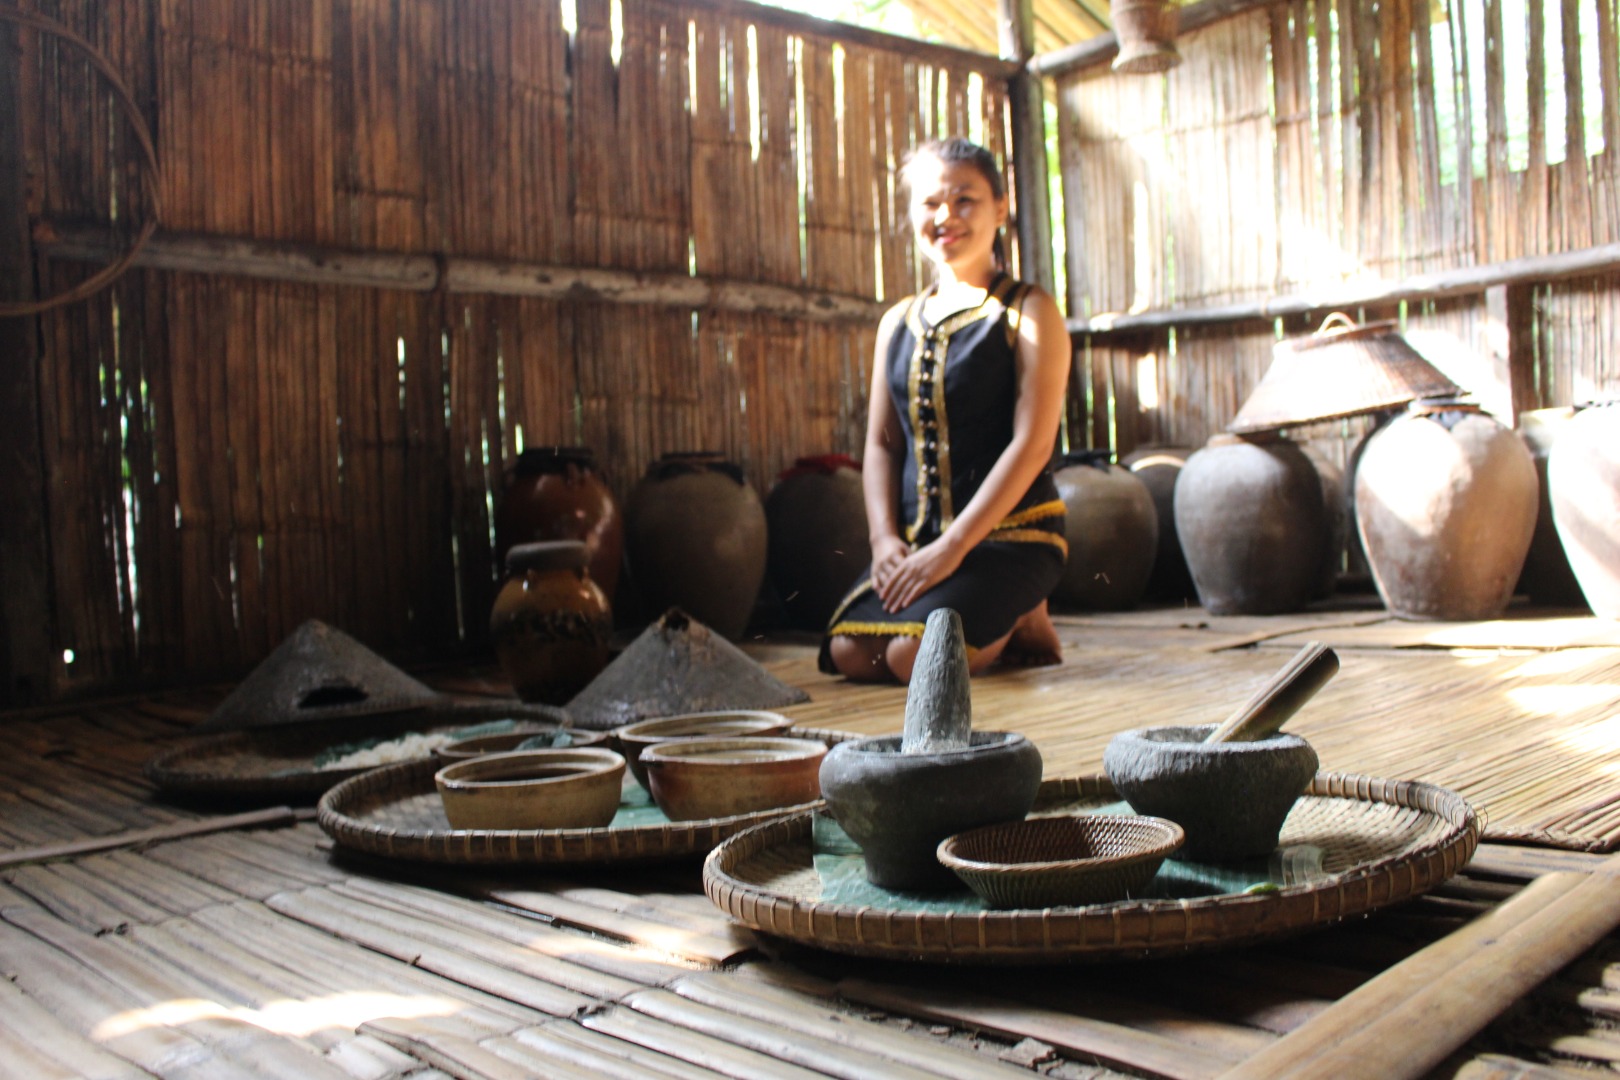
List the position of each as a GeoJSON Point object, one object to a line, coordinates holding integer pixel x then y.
{"type": "Point", "coordinates": [817, 542]}
{"type": "Point", "coordinates": [558, 493]}
{"type": "Point", "coordinates": [695, 537]}
{"type": "Point", "coordinates": [551, 623]}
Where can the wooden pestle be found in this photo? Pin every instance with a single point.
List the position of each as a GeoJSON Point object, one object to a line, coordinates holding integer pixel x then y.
{"type": "Point", "coordinates": [1265, 713]}
{"type": "Point", "coordinates": [939, 703]}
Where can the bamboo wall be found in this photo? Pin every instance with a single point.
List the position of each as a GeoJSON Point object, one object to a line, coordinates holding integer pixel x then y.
{"type": "Point", "coordinates": [1313, 144]}
{"type": "Point", "coordinates": [228, 456]}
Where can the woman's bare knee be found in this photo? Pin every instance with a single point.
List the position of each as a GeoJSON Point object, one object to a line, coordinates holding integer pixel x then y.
{"type": "Point", "coordinates": [859, 658]}
{"type": "Point", "coordinates": [901, 656]}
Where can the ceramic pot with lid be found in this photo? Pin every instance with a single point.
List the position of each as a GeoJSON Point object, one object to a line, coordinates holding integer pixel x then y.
{"type": "Point", "coordinates": [550, 624]}
{"type": "Point", "coordinates": [559, 493]}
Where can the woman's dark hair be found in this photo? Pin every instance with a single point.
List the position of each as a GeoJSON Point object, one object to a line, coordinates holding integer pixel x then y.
{"type": "Point", "coordinates": [958, 151]}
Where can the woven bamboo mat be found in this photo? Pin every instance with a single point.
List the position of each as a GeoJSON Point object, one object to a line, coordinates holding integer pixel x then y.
{"type": "Point", "coordinates": [1519, 715]}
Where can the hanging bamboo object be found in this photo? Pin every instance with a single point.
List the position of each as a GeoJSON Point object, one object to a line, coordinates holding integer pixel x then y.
{"type": "Point", "coordinates": [1146, 30]}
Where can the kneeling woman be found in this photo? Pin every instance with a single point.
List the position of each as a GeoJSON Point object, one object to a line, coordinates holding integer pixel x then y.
{"type": "Point", "coordinates": [967, 392]}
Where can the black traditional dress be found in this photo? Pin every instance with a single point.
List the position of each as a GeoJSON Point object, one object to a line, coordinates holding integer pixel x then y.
{"type": "Point", "coordinates": [955, 387]}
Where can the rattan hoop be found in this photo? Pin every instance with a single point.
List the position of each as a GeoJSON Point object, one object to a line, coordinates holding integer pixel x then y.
{"type": "Point", "coordinates": [1390, 840]}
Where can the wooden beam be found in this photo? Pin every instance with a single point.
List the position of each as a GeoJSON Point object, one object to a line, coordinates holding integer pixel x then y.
{"type": "Point", "coordinates": [1102, 49]}
{"type": "Point", "coordinates": [1407, 1020]}
{"type": "Point", "coordinates": [425, 273]}
{"type": "Point", "coordinates": [1017, 31]}
{"type": "Point", "coordinates": [1537, 269]}
{"type": "Point", "coordinates": [26, 664]}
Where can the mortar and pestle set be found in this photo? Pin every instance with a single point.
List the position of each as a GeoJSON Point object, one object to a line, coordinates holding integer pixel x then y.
{"type": "Point", "coordinates": [942, 802]}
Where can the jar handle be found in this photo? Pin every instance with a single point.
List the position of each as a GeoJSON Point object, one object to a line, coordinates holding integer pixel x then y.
{"type": "Point", "coordinates": [1337, 318]}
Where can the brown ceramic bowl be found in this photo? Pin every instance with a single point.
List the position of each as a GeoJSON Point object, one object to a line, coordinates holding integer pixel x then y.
{"type": "Point", "coordinates": [507, 741]}
{"type": "Point", "coordinates": [694, 779]}
{"type": "Point", "coordinates": [533, 789]}
{"type": "Point", "coordinates": [632, 739]}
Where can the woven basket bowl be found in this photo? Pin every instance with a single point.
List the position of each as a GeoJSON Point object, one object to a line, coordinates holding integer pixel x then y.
{"type": "Point", "coordinates": [1065, 861]}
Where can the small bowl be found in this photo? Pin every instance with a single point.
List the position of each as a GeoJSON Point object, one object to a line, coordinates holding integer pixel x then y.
{"type": "Point", "coordinates": [1231, 797]}
{"type": "Point", "coordinates": [507, 741]}
{"type": "Point", "coordinates": [533, 789]}
{"type": "Point", "coordinates": [695, 779]}
{"type": "Point", "coordinates": [631, 739]}
{"type": "Point", "coordinates": [1064, 861]}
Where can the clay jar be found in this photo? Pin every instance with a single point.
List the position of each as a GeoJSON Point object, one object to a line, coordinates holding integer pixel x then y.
{"type": "Point", "coordinates": [695, 535]}
{"type": "Point", "coordinates": [1113, 532]}
{"type": "Point", "coordinates": [1446, 506]}
{"type": "Point", "coordinates": [1547, 578]}
{"type": "Point", "coordinates": [1583, 472]}
{"type": "Point", "coordinates": [1253, 525]}
{"type": "Point", "coordinates": [899, 806]}
{"type": "Point", "coordinates": [558, 493]}
{"type": "Point", "coordinates": [1158, 467]}
{"type": "Point", "coordinates": [550, 624]}
{"type": "Point", "coordinates": [816, 523]}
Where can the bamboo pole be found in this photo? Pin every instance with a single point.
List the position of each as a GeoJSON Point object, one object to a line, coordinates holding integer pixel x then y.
{"type": "Point", "coordinates": [255, 819]}
{"type": "Point", "coordinates": [1017, 21]}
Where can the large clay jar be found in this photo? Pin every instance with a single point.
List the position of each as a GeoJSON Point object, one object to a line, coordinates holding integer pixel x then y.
{"type": "Point", "coordinates": [1445, 505]}
{"type": "Point", "coordinates": [1547, 579]}
{"type": "Point", "coordinates": [558, 493]}
{"type": "Point", "coordinates": [1113, 533]}
{"type": "Point", "coordinates": [816, 523]}
{"type": "Point", "coordinates": [1158, 467]}
{"type": "Point", "coordinates": [695, 537]}
{"type": "Point", "coordinates": [550, 623]}
{"type": "Point", "coordinates": [1253, 525]}
{"type": "Point", "coordinates": [1583, 472]}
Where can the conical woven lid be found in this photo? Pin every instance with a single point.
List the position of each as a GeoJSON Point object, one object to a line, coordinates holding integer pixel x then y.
{"type": "Point", "coordinates": [1345, 371]}
{"type": "Point", "coordinates": [677, 666]}
{"type": "Point", "coordinates": [318, 673]}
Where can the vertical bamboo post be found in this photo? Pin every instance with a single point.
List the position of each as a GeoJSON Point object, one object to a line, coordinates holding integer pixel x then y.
{"type": "Point", "coordinates": [1017, 22]}
{"type": "Point", "coordinates": [25, 661]}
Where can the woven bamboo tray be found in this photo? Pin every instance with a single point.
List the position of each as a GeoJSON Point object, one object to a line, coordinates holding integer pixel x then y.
{"type": "Point", "coordinates": [277, 765]}
{"type": "Point", "coordinates": [395, 812]}
{"type": "Point", "coordinates": [1381, 841]}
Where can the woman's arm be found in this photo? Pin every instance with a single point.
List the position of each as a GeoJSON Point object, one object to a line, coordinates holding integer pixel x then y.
{"type": "Point", "coordinates": [1043, 356]}
{"type": "Point", "coordinates": [880, 472]}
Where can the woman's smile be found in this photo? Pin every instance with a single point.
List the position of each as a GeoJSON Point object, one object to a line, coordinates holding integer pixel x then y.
{"type": "Point", "coordinates": [955, 214]}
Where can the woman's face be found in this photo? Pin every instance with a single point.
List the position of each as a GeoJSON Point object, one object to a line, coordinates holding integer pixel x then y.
{"type": "Point", "coordinates": [954, 212]}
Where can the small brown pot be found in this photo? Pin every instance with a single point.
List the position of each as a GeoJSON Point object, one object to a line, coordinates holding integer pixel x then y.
{"type": "Point", "coordinates": [550, 623]}
{"type": "Point", "coordinates": [696, 779]}
{"type": "Point", "coordinates": [533, 789]}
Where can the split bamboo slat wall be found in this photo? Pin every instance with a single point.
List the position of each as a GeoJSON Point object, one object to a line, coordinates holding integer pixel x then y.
{"type": "Point", "coordinates": [1310, 144]}
{"type": "Point", "coordinates": [229, 456]}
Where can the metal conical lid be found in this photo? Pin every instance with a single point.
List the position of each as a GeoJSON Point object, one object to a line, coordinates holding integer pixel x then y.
{"type": "Point", "coordinates": [318, 673]}
{"type": "Point", "coordinates": [1345, 371]}
{"type": "Point", "coordinates": [677, 666]}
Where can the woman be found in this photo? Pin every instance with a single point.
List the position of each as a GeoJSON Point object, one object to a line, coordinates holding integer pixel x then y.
{"type": "Point", "coordinates": [967, 391]}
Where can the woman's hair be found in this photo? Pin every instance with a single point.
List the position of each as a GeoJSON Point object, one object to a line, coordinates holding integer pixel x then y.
{"type": "Point", "coordinates": [958, 151]}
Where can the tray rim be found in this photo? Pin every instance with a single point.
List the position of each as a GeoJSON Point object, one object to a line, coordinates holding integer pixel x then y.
{"type": "Point", "coordinates": [1126, 929]}
{"type": "Point", "coordinates": [308, 784]}
{"type": "Point", "coordinates": [525, 847]}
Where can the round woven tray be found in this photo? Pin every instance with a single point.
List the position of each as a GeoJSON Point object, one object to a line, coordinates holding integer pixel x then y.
{"type": "Point", "coordinates": [277, 765]}
{"type": "Point", "coordinates": [1381, 841]}
{"type": "Point", "coordinates": [395, 812]}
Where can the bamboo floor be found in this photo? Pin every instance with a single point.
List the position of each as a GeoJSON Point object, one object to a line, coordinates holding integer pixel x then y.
{"type": "Point", "coordinates": [201, 944]}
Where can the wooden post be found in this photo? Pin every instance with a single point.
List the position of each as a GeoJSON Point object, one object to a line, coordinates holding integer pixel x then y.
{"type": "Point", "coordinates": [25, 646]}
{"type": "Point", "coordinates": [1017, 20]}
{"type": "Point", "coordinates": [1512, 307]}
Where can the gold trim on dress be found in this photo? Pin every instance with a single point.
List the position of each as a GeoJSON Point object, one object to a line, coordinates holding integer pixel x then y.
{"type": "Point", "coordinates": [878, 629]}
{"type": "Point", "coordinates": [1039, 512]}
{"type": "Point", "coordinates": [1030, 536]}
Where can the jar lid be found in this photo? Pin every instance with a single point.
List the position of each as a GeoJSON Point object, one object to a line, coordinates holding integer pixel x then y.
{"type": "Point", "coordinates": [539, 460]}
{"type": "Point", "coordinates": [546, 555]}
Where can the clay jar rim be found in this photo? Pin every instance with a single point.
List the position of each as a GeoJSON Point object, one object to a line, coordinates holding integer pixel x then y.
{"type": "Point", "coordinates": [694, 725]}
{"type": "Point", "coordinates": [504, 772]}
{"type": "Point", "coordinates": [714, 753]}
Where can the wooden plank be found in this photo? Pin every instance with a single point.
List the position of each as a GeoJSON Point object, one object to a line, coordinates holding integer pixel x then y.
{"type": "Point", "coordinates": [1409, 1018]}
{"type": "Point", "coordinates": [609, 1058]}
{"type": "Point", "coordinates": [461, 1056]}
{"type": "Point", "coordinates": [34, 1042]}
{"type": "Point", "coordinates": [719, 1055]}
{"type": "Point", "coordinates": [255, 819]}
{"type": "Point", "coordinates": [1112, 1044]}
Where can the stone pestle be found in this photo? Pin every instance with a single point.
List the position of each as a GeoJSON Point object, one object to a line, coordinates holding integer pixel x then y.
{"type": "Point", "coordinates": [898, 796]}
{"type": "Point", "coordinates": [939, 703]}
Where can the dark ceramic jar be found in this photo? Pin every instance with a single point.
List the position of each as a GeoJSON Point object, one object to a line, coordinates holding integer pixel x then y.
{"type": "Point", "coordinates": [695, 536]}
{"type": "Point", "coordinates": [1113, 532]}
{"type": "Point", "coordinates": [551, 623]}
{"type": "Point", "coordinates": [1158, 467]}
{"type": "Point", "coordinates": [817, 536]}
{"type": "Point", "coordinates": [1446, 506]}
{"type": "Point", "coordinates": [559, 493]}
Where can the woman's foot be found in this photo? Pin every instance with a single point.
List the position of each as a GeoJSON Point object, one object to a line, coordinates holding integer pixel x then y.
{"type": "Point", "coordinates": [1034, 641]}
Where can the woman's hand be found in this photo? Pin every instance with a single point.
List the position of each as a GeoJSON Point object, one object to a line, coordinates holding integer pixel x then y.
{"type": "Point", "coordinates": [888, 553]}
{"type": "Point", "coordinates": [916, 573]}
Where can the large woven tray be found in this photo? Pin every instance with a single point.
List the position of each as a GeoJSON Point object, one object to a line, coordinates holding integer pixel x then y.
{"type": "Point", "coordinates": [395, 812]}
{"type": "Point", "coordinates": [1380, 842]}
{"type": "Point", "coordinates": [279, 764]}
